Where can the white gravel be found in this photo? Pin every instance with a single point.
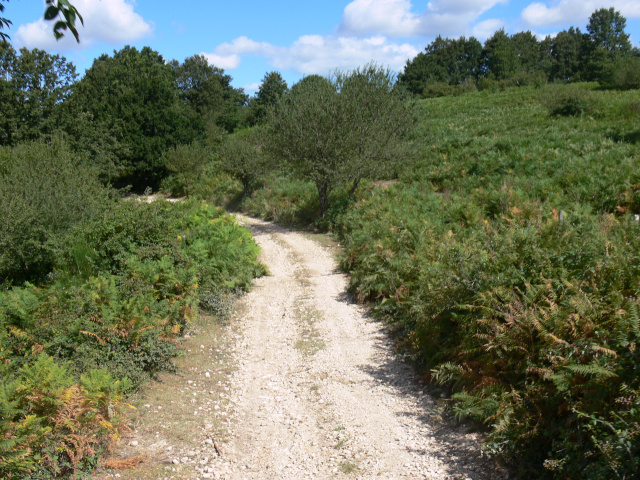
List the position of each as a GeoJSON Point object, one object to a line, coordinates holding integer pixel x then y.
{"type": "Point", "coordinates": [318, 392]}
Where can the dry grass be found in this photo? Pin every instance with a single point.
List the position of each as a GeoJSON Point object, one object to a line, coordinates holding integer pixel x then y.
{"type": "Point", "coordinates": [164, 415]}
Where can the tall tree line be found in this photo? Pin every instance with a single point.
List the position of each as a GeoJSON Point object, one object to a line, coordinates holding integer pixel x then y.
{"type": "Point", "coordinates": [570, 56]}
{"type": "Point", "coordinates": [124, 114]}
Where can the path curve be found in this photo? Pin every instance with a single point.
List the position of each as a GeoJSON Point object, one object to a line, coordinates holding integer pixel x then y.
{"type": "Point", "coordinates": [318, 391]}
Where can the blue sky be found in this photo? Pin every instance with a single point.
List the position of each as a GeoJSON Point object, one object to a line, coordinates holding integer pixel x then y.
{"type": "Point", "coordinates": [251, 37]}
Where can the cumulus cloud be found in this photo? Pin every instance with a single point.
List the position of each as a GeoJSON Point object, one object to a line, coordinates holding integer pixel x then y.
{"type": "Point", "coordinates": [398, 18]}
{"type": "Point", "coordinates": [484, 30]}
{"type": "Point", "coordinates": [251, 88]}
{"type": "Point", "coordinates": [543, 14]}
{"type": "Point", "coordinates": [110, 21]}
{"type": "Point", "coordinates": [318, 54]}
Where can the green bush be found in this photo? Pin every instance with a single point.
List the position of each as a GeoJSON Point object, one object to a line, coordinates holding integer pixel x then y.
{"type": "Point", "coordinates": [125, 285]}
{"type": "Point", "coordinates": [567, 100]}
{"type": "Point", "coordinates": [626, 73]}
{"type": "Point", "coordinates": [186, 165]}
{"type": "Point", "coordinates": [508, 265]}
{"type": "Point", "coordinates": [438, 89]}
{"type": "Point", "coordinates": [44, 191]}
{"type": "Point", "coordinates": [284, 200]}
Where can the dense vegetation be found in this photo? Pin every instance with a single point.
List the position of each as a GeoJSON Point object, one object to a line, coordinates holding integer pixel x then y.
{"type": "Point", "coordinates": [604, 54]}
{"type": "Point", "coordinates": [122, 287]}
{"type": "Point", "coordinates": [502, 247]}
{"type": "Point", "coordinates": [506, 259]}
{"type": "Point", "coordinates": [94, 290]}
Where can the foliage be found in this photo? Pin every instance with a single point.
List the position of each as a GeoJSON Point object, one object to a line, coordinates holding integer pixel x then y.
{"type": "Point", "coordinates": [508, 265]}
{"type": "Point", "coordinates": [285, 201]}
{"type": "Point", "coordinates": [565, 53]}
{"type": "Point", "coordinates": [44, 190]}
{"type": "Point", "coordinates": [242, 157]}
{"type": "Point", "coordinates": [53, 426]}
{"type": "Point", "coordinates": [4, 23]}
{"type": "Point", "coordinates": [134, 95]}
{"type": "Point", "coordinates": [124, 287]}
{"type": "Point", "coordinates": [186, 164]}
{"type": "Point", "coordinates": [569, 56]}
{"type": "Point", "coordinates": [61, 11]}
{"type": "Point", "coordinates": [272, 88]}
{"type": "Point", "coordinates": [626, 73]}
{"type": "Point", "coordinates": [33, 85]}
{"type": "Point", "coordinates": [340, 130]}
{"type": "Point", "coordinates": [500, 59]}
{"type": "Point", "coordinates": [450, 61]}
{"type": "Point", "coordinates": [567, 100]}
{"type": "Point", "coordinates": [207, 90]}
{"type": "Point", "coordinates": [606, 30]}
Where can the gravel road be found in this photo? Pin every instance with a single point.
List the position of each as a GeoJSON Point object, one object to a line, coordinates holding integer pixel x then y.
{"type": "Point", "coordinates": [318, 392]}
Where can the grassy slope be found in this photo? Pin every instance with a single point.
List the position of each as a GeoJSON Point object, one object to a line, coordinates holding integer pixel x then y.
{"type": "Point", "coordinates": [530, 319]}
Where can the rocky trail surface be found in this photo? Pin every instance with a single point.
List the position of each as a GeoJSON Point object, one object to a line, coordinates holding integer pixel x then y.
{"type": "Point", "coordinates": [316, 391]}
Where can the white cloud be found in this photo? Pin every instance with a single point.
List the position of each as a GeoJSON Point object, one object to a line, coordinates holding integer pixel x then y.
{"type": "Point", "coordinates": [251, 88]}
{"type": "Point", "coordinates": [226, 62]}
{"type": "Point", "coordinates": [484, 30]}
{"type": "Point", "coordinates": [397, 18]}
{"type": "Point", "coordinates": [565, 12]}
{"type": "Point", "coordinates": [110, 21]}
{"type": "Point", "coordinates": [318, 54]}
{"type": "Point", "coordinates": [388, 17]}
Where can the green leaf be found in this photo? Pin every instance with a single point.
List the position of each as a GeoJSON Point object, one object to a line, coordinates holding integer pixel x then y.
{"type": "Point", "coordinates": [51, 13]}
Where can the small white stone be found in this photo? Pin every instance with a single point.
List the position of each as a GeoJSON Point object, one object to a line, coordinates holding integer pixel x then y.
{"type": "Point", "coordinates": [207, 374]}
{"type": "Point", "coordinates": [175, 461]}
{"type": "Point", "coordinates": [134, 443]}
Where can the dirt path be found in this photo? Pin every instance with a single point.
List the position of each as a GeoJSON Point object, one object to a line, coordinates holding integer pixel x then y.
{"type": "Point", "coordinates": [316, 391]}
{"type": "Point", "coordinates": [319, 393]}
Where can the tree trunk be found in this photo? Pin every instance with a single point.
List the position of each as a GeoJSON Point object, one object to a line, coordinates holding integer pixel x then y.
{"type": "Point", "coordinates": [354, 187]}
{"type": "Point", "coordinates": [323, 197]}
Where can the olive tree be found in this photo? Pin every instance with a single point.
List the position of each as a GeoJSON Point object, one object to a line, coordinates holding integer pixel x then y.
{"type": "Point", "coordinates": [336, 131]}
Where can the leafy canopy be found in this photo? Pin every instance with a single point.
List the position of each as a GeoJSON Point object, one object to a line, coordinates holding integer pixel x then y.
{"type": "Point", "coordinates": [340, 130]}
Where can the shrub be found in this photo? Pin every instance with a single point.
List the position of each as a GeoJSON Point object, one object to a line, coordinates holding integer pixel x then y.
{"type": "Point", "coordinates": [52, 426]}
{"type": "Point", "coordinates": [626, 73]}
{"type": "Point", "coordinates": [508, 265]}
{"type": "Point", "coordinates": [567, 100]}
{"type": "Point", "coordinates": [486, 83]}
{"type": "Point", "coordinates": [284, 200]}
{"type": "Point", "coordinates": [438, 89]}
{"type": "Point", "coordinates": [44, 191]}
{"type": "Point", "coordinates": [124, 287]}
{"type": "Point", "coordinates": [186, 164]}
{"type": "Point", "coordinates": [468, 86]}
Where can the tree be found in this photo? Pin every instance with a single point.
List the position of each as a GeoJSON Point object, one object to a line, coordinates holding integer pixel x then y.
{"type": "Point", "coordinates": [452, 61]}
{"type": "Point", "coordinates": [527, 49]}
{"type": "Point", "coordinates": [272, 88]}
{"type": "Point", "coordinates": [62, 12]}
{"type": "Point", "coordinates": [500, 58]}
{"type": "Point", "coordinates": [340, 130]}
{"type": "Point", "coordinates": [207, 90]}
{"type": "Point", "coordinates": [242, 157]}
{"type": "Point", "coordinates": [606, 30]}
{"type": "Point", "coordinates": [134, 94]}
{"type": "Point", "coordinates": [566, 53]}
{"type": "Point", "coordinates": [33, 86]}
